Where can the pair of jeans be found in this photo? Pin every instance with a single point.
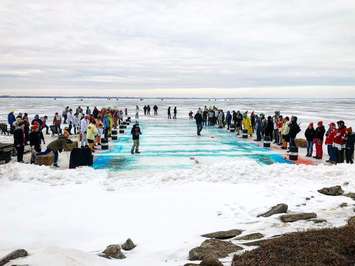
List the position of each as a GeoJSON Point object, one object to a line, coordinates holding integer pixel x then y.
{"type": "Point", "coordinates": [309, 147]}
{"type": "Point", "coordinates": [199, 128]}
{"type": "Point", "coordinates": [135, 146]}
{"type": "Point", "coordinates": [349, 154]}
{"type": "Point", "coordinates": [331, 153]}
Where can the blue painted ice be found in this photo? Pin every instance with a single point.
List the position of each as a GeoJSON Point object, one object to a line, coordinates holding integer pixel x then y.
{"type": "Point", "coordinates": [173, 144]}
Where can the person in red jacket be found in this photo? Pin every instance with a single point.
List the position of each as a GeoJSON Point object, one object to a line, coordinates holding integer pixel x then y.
{"type": "Point", "coordinates": [318, 140]}
{"type": "Point", "coordinates": [329, 141]}
{"type": "Point", "coordinates": [339, 141]}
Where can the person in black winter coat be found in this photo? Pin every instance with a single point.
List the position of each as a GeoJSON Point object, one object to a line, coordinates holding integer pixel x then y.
{"type": "Point", "coordinates": [294, 130]}
{"type": "Point", "coordinates": [135, 132]}
{"type": "Point", "coordinates": [318, 140]}
{"type": "Point", "coordinates": [309, 134]}
{"type": "Point", "coordinates": [199, 122]}
{"type": "Point", "coordinates": [269, 129]}
{"type": "Point", "coordinates": [349, 146]}
{"type": "Point", "coordinates": [36, 138]}
{"type": "Point", "coordinates": [19, 138]}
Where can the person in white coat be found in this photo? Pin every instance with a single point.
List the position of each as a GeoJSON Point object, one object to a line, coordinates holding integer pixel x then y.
{"type": "Point", "coordinates": [83, 130]}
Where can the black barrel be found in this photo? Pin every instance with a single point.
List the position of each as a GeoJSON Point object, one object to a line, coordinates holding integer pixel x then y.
{"type": "Point", "coordinates": [293, 154]}
{"type": "Point", "coordinates": [267, 142]}
{"type": "Point", "coordinates": [114, 134]}
{"type": "Point", "coordinates": [245, 134]}
{"type": "Point", "coordinates": [104, 144]}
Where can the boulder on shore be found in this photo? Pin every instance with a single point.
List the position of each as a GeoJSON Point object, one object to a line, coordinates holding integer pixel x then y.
{"type": "Point", "coordinates": [18, 253]}
{"type": "Point", "coordinates": [290, 218]}
{"type": "Point", "coordinates": [113, 251]}
{"type": "Point", "coordinates": [223, 234]}
{"type": "Point", "coordinates": [332, 191]}
{"type": "Point", "coordinates": [279, 208]}
{"type": "Point", "coordinates": [128, 245]}
{"type": "Point", "coordinates": [253, 236]}
{"type": "Point", "coordinates": [213, 248]}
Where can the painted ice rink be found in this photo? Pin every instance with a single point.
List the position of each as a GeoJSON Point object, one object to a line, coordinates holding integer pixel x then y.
{"type": "Point", "coordinates": [178, 188]}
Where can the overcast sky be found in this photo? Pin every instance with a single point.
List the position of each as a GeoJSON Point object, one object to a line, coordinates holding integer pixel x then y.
{"type": "Point", "coordinates": [195, 47]}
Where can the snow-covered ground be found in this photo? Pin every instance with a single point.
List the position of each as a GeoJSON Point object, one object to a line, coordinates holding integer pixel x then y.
{"type": "Point", "coordinates": [64, 217]}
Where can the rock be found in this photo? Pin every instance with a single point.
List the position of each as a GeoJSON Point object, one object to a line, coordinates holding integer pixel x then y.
{"type": "Point", "coordinates": [18, 253]}
{"type": "Point", "coordinates": [211, 261]}
{"type": "Point", "coordinates": [191, 264]}
{"type": "Point", "coordinates": [351, 221]}
{"type": "Point", "coordinates": [331, 191]}
{"type": "Point", "coordinates": [290, 218]}
{"type": "Point", "coordinates": [308, 198]}
{"type": "Point", "coordinates": [213, 248]}
{"type": "Point", "coordinates": [114, 251]}
{"type": "Point", "coordinates": [128, 245]}
{"type": "Point", "coordinates": [350, 195]}
{"type": "Point", "coordinates": [343, 205]}
{"type": "Point", "coordinates": [255, 243]}
{"type": "Point", "coordinates": [346, 183]}
{"type": "Point", "coordinates": [223, 234]}
{"type": "Point", "coordinates": [279, 208]}
{"type": "Point", "coordinates": [319, 221]}
{"type": "Point", "coordinates": [253, 236]}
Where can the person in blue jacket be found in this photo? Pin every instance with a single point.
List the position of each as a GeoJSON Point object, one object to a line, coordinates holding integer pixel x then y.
{"type": "Point", "coordinates": [228, 119]}
{"type": "Point", "coordinates": [11, 119]}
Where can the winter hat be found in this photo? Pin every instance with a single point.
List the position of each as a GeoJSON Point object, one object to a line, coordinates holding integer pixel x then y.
{"type": "Point", "coordinates": [332, 124]}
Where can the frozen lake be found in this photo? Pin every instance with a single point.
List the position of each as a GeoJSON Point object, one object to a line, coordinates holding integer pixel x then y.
{"type": "Point", "coordinates": [173, 144]}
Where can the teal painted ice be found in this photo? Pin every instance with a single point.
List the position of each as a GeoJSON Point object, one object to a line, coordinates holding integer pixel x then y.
{"type": "Point", "coordinates": [169, 144]}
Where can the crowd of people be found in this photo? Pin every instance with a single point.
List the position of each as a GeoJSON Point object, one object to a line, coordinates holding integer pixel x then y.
{"type": "Point", "coordinates": [94, 125]}
{"type": "Point", "coordinates": [90, 125]}
{"type": "Point", "coordinates": [283, 131]}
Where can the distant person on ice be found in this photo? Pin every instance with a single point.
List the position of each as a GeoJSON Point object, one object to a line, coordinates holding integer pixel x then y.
{"type": "Point", "coordinates": [135, 132]}
{"type": "Point", "coordinates": [169, 112]}
{"type": "Point", "coordinates": [199, 122]}
{"type": "Point", "coordinates": [175, 112]}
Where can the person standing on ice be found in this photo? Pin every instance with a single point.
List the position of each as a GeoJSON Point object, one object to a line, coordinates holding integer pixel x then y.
{"type": "Point", "coordinates": [309, 134]}
{"type": "Point", "coordinates": [258, 127]}
{"type": "Point", "coordinates": [318, 140]}
{"type": "Point", "coordinates": [228, 119]}
{"type": "Point", "coordinates": [349, 146]}
{"type": "Point", "coordinates": [169, 112]}
{"type": "Point", "coordinates": [19, 138]}
{"type": "Point", "coordinates": [339, 141]}
{"type": "Point", "coordinates": [247, 124]}
{"type": "Point", "coordinates": [175, 112]}
{"type": "Point", "coordinates": [135, 132]}
{"type": "Point", "coordinates": [329, 141]}
{"type": "Point", "coordinates": [84, 123]}
{"type": "Point", "coordinates": [199, 122]}
{"type": "Point", "coordinates": [294, 130]}
{"type": "Point", "coordinates": [57, 121]}
{"type": "Point", "coordinates": [155, 108]}
{"type": "Point", "coordinates": [70, 118]}
{"type": "Point", "coordinates": [285, 130]}
{"type": "Point", "coordinates": [11, 119]}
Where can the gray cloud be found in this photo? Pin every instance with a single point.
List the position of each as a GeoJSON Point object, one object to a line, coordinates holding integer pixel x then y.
{"type": "Point", "coordinates": [137, 45]}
